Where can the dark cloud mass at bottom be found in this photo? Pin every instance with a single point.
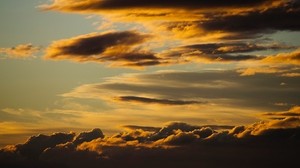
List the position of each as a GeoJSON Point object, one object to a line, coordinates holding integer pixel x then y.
{"type": "Point", "coordinates": [272, 143]}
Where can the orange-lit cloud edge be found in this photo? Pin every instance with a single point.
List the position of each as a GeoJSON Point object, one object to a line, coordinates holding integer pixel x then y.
{"type": "Point", "coordinates": [174, 144]}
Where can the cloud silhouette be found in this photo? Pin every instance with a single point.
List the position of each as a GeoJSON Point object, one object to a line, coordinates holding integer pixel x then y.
{"type": "Point", "coordinates": [155, 101]}
{"type": "Point", "coordinates": [267, 143]}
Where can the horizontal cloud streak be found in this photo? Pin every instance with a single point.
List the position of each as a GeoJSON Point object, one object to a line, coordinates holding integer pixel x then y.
{"type": "Point", "coordinates": [156, 101]}
{"type": "Point", "coordinates": [213, 87]}
{"type": "Point", "coordinates": [94, 5]}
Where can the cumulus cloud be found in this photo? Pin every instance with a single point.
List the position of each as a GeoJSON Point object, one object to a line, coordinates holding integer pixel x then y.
{"type": "Point", "coordinates": [114, 47]}
{"type": "Point", "coordinates": [266, 143]}
{"type": "Point", "coordinates": [22, 51]}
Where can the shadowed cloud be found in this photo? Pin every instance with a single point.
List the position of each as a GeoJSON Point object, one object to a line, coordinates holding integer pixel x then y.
{"type": "Point", "coordinates": [221, 88]}
{"type": "Point", "coordinates": [94, 5]}
{"type": "Point", "coordinates": [268, 143]}
{"type": "Point", "coordinates": [156, 101]}
{"type": "Point", "coordinates": [114, 47]}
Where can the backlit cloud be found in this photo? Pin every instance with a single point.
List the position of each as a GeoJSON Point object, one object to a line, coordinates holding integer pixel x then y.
{"type": "Point", "coordinates": [212, 88]}
{"type": "Point", "coordinates": [174, 144]}
{"type": "Point", "coordinates": [114, 47]}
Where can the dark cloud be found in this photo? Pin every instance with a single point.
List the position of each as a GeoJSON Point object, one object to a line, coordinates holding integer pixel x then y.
{"type": "Point", "coordinates": [264, 144]}
{"type": "Point", "coordinates": [237, 47]}
{"type": "Point", "coordinates": [115, 47]}
{"type": "Point", "coordinates": [35, 145]}
{"type": "Point", "coordinates": [98, 5]}
{"type": "Point", "coordinates": [283, 17]}
{"type": "Point", "coordinates": [88, 136]}
{"type": "Point", "coordinates": [221, 52]}
{"type": "Point", "coordinates": [156, 101]}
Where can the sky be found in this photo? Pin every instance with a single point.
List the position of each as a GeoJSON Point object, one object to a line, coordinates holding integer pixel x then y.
{"type": "Point", "coordinates": [101, 79]}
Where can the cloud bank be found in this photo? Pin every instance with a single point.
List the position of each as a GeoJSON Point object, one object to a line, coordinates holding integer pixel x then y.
{"type": "Point", "coordinates": [263, 144]}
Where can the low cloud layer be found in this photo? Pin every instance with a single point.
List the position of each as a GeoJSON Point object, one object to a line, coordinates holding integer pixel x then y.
{"type": "Point", "coordinates": [22, 51]}
{"type": "Point", "coordinates": [263, 144]}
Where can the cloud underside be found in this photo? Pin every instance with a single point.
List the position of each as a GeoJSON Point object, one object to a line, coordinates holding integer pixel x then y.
{"type": "Point", "coordinates": [208, 88]}
{"type": "Point", "coordinates": [115, 4]}
{"type": "Point", "coordinates": [128, 48]}
{"type": "Point", "coordinates": [116, 47]}
{"type": "Point", "coordinates": [195, 23]}
{"type": "Point", "coordinates": [155, 101]}
{"type": "Point", "coordinates": [271, 143]}
{"type": "Point", "coordinates": [240, 19]}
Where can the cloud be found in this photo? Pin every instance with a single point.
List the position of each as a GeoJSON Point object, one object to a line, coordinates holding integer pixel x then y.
{"type": "Point", "coordinates": [215, 88]}
{"type": "Point", "coordinates": [220, 52]}
{"type": "Point", "coordinates": [283, 17]}
{"type": "Point", "coordinates": [217, 19]}
{"type": "Point", "coordinates": [35, 145]}
{"type": "Point", "coordinates": [22, 51]}
{"type": "Point", "coordinates": [129, 49]}
{"type": "Point", "coordinates": [293, 112]}
{"type": "Point", "coordinates": [292, 58]}
{"type": "Point", "coordinates": [115, 47]}
{"type": "Point", "coordinates": [88, 136]}
{"type": "Point", "coordinates": [98, 5]}
{"type": "Point", "coordinates": [266, 143]}
{"type": "Point", "coordinates": [239, 24]}
{"type": "Point", "coordinates": [156, 101]}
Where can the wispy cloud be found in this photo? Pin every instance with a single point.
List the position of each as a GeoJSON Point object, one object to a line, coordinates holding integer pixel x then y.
{"type": "Point", "coordinates": [22, 51]}
{"type": "Point", "coordinates": [223, 88]}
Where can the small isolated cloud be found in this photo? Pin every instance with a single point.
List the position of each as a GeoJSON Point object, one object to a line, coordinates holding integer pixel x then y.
{"type": "Point", "coordinates": [22, 51]}
{"type": "Point", "coordinates": [117, 48]}
{"type": "Point", "coordinates": [263, 144]}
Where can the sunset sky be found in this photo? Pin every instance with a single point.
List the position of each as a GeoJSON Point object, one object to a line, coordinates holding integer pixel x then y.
{"type": "Point", "coordinates": [141, 67]}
